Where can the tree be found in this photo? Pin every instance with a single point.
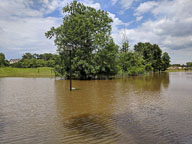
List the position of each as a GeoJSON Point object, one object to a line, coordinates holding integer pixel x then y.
{"type": "Point", "coordinates": [125, 46]}
{"type": "Point", "coordinates": [156, 57]}
{"type": "Point", "coordinates": [88, 31]}
{"type": "Point", "coordinates": [165, 61]}
{"type": "Point", "coordinates": [50, 63]}
{"type": "Point", "coordinates": [3, 61]}
{"type": "Point", "coordinates": [189, 64]}
{"type": "Point", "coordinates": [151, 54]}
{"type": "Point", "coordinates": [27, 56]}
{"type": "Point", "coordinates": [125, 42]}
{"type": "Point", "coordinates": [131, 63]}
{"type": "Point", "coordinates": [107, 59]}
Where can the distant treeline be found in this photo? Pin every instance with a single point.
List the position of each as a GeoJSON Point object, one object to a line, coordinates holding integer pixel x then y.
{"type": "Point", "coordinates": [31, 60]}
{"type": "Point", "coordinates": [36, 60]}
{"type": "Point", "coordinates": [188, 64]}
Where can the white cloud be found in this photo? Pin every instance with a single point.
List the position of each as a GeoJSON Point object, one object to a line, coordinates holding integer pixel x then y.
{"type": "Point", "coordinates": [27, 34]}
{"type": "Point", "coordinates": [138, 18]}
{"type": "Point", "coordinates": [126, 4]}
{"type": "Point", "coordinates": [114, 2]}
{"type": "Point", "coordinates": [17, 8]}
{"type": "Point", "coordinates": [145, 7]}
{"type": "Point", "coordinates": [91, 4]}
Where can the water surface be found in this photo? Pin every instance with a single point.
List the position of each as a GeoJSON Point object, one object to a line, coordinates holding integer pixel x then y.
{"type": "Point", "coordinates": [146, 109]}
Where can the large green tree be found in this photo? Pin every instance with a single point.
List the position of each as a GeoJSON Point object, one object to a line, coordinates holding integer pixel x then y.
{"type": "Point", "coordinates": [88, 31]}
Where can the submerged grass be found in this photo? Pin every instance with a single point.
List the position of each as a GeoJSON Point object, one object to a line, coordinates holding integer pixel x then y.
{"type": "Point", "coordinates": [177, 70]}
{"type": "Point", "coordinates": [26, 72]}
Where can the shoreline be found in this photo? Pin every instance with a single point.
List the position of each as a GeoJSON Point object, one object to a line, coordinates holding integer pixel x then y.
{"type": "Point", "coordinates": [46, 72]}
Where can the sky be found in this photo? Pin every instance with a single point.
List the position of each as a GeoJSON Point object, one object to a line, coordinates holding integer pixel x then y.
{"type": "Point", "coordinates": [168, 23]}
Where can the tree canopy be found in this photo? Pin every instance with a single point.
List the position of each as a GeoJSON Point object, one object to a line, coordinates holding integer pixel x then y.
{"type": "Point", "coordinates": [152, 54]}
{"type": "Point", "coordinates": [88, 31]}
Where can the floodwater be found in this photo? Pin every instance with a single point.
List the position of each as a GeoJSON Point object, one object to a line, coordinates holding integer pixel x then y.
{"type": "Point", "coordinates": [153, 109]}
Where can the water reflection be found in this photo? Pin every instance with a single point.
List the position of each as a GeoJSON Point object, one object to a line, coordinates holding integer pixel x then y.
{"type": "Point", "coordinates": [145, 109]}
{"type": "Point", "coordinates": [85, 113]}
{"type": "Point", "coordinates": [91, 98]}
{"type": "Point", "coordinates": [153, 82]}
{"type": "Point", "coordinates": [103, 110]}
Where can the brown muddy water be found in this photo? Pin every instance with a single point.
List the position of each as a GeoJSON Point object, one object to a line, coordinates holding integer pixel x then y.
{"type": "Point", "coordinates": [153, 109]}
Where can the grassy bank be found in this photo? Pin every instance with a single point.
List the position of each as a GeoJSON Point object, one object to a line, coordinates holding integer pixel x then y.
{"type": "Point", "coordinates": [26, 72]}
{"type": "Point", "coordinates": [175, 70]}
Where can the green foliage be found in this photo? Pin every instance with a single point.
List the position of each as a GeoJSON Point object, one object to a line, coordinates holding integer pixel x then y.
{"type": "Point", "coordinates": [189, 64]}
{"type": "Point", "coordinates": [88, 31]}
{"type": "Point", "coordinates": [176, 65]}
{"type": "Point", "coordinates": [148, 67]}
{"type": "Point", "coordinates": [125, 46]}
{"type": "Point", "coordinates": [36, 60]}
{"type": "Point", "coordinates": [106, 58]}
{"type": "Point", "coordinates": [131, 63]}
{"type": "Point", "coordinates": [27, 56]}
{"type": "Point", "coordinates": [3, 61]}
{"type": "Point", "coordinates": [152, 54]}
{"type": "Point", "coordinates": [165, 61]}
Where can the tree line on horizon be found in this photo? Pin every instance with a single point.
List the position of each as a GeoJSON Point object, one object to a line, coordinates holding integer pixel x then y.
{"type": "Point", "coordinates": [36, 60]}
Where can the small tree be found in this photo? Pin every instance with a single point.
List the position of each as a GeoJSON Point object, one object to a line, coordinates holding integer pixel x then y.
{"type": "Point", "coordinates": [125, 42]}
{"type": "Point", "coordinates": [27, 56]}
{"type": "Point", "coordinates": [3, 61]}
{"type": "Point", "coordinates": [165, 61]}
{"type": "Point", "coordinates": [151, 54]}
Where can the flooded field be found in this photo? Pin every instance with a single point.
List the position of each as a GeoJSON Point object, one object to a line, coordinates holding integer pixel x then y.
{"type": "Point", "coordinates": [137, 110]}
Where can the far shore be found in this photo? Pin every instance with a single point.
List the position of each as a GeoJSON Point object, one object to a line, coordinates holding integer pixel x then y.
{"type": "Point", "coordinates": [42, 72]}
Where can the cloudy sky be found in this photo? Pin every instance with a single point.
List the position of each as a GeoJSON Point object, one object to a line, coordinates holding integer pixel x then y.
{"type": "Point", "coordinates": [167, 23]}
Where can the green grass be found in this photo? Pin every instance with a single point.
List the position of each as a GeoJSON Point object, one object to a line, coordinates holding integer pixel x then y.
{"type": "Point", "coordinates": [177, 70]}
{"type": "Point", "coordinates": [26, 72]}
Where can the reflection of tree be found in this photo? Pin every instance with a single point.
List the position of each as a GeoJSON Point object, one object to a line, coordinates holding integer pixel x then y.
{"type": "Point", "coordinates": [153, 82]}
{"type": "Point", "coordinates": [86, 113]}
{"type": "Point", "coordinates": [94, 112]}
{"type": "Point", "coordinates": [141, 91]}
{"type": "Point", "coordinates": [93, 97]}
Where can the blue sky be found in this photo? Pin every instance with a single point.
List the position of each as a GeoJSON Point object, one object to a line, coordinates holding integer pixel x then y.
{"type": "Point", "coordinates": [167, 23]}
